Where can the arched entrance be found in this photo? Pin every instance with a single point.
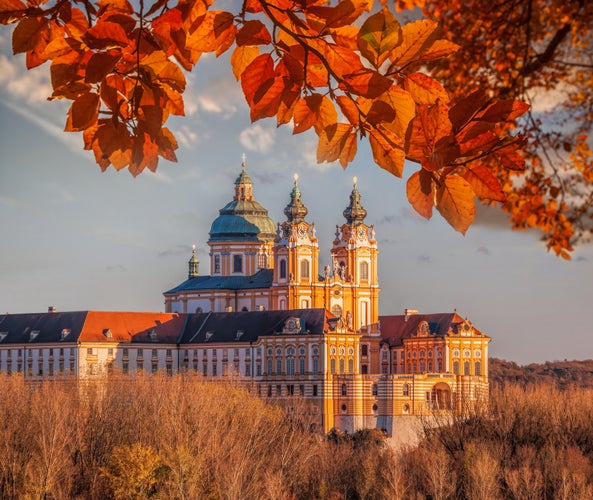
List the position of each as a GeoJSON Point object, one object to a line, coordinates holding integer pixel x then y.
{"type": "Point", "coordinates": [441, 397]}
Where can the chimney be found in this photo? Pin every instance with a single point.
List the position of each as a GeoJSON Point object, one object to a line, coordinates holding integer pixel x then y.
{"type": "Point", "coordinates": [51, 309]}
{"type": "Point", "coordinates": [409, 312]}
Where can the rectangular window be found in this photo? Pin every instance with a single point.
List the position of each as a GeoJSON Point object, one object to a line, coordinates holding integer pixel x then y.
{"type": "Point", "coordinates": [248, 370]}
{"type": "Point", "coordinates": [89, 351]}
{"type": "Point", "coordinates": [139, 352]}
{"type": "Point", "coordinates": [290, 389]}
{"type": "Point", "coordinates": [168, 353]}
{"type": "Point", "coordinates": [314, 389]}
{"type": "Point", "coordinates": [278, 366]}
{"type": "Point", "coordinates": [278, 390]}
{"type": "Point", "coordinates": [155, 367]}
{"type": "Point", "coordinates": [237, 263]}
{"type": "Point", "coordinates": [217, 263]}
{"type": "Point", "coordinates": [302, 389]}
{"type": "Point", "coordinates": [258, 369]}
{"type": "Point", "coordinates": [125, 351]}
{"type": "Point", "coordinates": [214, 369]}
{"type": "Point", "coordinates": [154, 353]}
{"type": "Point", "coordinates": [110, 351]}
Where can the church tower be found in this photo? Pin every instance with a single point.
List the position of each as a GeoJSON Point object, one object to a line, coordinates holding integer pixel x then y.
{"type": "Point", "coordinates": [354, 252]}
{"type": "Point", "coordinates": [296, 253]}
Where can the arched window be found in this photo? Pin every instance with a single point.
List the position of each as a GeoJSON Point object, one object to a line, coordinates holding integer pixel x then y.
{"type": "Point", "coordinates": [341, 366]}
{"type": "Point", "coordinates": [305, 304]}
{"type": "Point", "coordinates": [304, 268]}
{"type": "Point", "coordinates": [278, 366]}
{"type": "Point", "coordinates": [262, 261]}
{"type": "Point", "coordinates": [350, 365]}
{"type": "Point", "coordinates": [332, 366]}
{"type": "Point", "coordinates": [315, 366]}
{"type": "Point", "coordinates": [344, 390]}
{"type": "Point", "coordinates": [406, 389]}
{"type": "Point", "coordinates": [478, 368]}
{"type": "Point", "coordinates": [456, 367]}
{"type": "Point", "coordinates": [364, 271]}
{"type": "Point", "coordinates": [466, 368]}
{"type": "Point", "coordinates": [217, 263]}
{"type": "Point", "coordinates": [237, 263]}
{"type": "Point", "coordinates": [269, 367]}
{"type": "Point", "coordinates": [301, 365]}
{"type": "Point", "coordinates": [282, 268]}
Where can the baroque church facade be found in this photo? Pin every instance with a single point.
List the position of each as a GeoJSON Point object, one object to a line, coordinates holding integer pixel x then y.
{"type": "Point", "coordinates": [269, 318]}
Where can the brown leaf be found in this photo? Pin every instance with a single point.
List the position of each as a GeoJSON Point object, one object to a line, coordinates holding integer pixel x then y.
{"type": "Point", "coordinates": [27, 34]}
{"type": "Point", "coordinates": [100, 65]}
{"type": "Point", "coordinates": [455, 202]}
{"type": "Point", "coordinates": [83, 113]}
{"type": "Point", "coordinates": [105, 35]}
{"type": "Point", "coordinates": [253, 33]}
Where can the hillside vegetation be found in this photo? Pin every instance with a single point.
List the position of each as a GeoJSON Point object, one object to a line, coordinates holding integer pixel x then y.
{"type": "Point", "coordinates": [182, 438]}
{"type": "Point", "coordinates": [562, 373]}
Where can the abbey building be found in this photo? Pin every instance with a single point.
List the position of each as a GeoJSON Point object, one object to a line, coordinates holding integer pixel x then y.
{"type": "Point", "coordinates": [270, 318]}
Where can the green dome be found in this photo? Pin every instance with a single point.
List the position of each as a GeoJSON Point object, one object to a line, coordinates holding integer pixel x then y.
{"type": "Point", "coordinates": [243, 219]}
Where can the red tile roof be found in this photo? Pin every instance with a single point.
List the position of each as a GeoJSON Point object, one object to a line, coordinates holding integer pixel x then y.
{"type": "Point", "coordinates": [131, 326]}
{"type": "Point", "coordinates": [396, 328]}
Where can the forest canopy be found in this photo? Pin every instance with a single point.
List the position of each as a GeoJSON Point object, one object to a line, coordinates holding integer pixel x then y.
{"type": "Point", "coordinates": [455, 92]}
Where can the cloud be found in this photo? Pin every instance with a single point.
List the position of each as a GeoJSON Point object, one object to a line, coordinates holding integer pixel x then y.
{"type": "Point", "coordinates": [176, 251]}
{"type": "Point", "coordinates": [31, 85]}
{"type": "Point", "coordinates": [483, 250]}
{"type": "Point", "coordinates": [186, 136]}
{"type": "Point", "coordinates": [424, 259]}
{"type": "Point", "coordinates": [63, 194]}
{"type": "Point", "coordinates": [117, 267]}
{"type": "Point", "coordinates": [10, 202]}
{"type": "Point", "coordinates": [257, 138]}
{"type": "Point", "coordinates": [491, 217]}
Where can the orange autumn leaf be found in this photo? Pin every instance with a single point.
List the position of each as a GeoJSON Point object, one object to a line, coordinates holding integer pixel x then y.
{"type": "Point", "coordinates": [420, 193]}
{"type": "Point", "coordinates": [484, 183]}
{"type": "Point", "coordinates": [314, 111]}
{"type": "Point", "coordinates": [424, 89]}
{"type": "Point", "coordinates": [253, 33]}
{"type": "Point", "coordinates": [387, 153]}
{"type": "Point", "coordinates": [333, 141]}
{"type": "Point", "coordinates": [242, 57]}
{"type": "Point", "coordinates": [379, 35]}
{"type": "Point", "coordinates": [455, 202]}
{"type": "Point", "coordinates": [417, 38]}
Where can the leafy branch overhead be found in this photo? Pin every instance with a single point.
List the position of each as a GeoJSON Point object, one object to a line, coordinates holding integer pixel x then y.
{"type": "Point", "coordinates": [348, 71]}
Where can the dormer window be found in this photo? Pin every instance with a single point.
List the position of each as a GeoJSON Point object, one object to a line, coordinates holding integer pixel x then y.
{"type": "Point", "coordinates": [107, 333]}
{"type": "Point", "coordinates": [239, 334]}
{"type": "Point", "coordinates": [153, 335]}
{"type": "Point", "coordinates": [208, 336]}
{"type": "Point", "coordinates": [33, 335]}
{"type": "Point", "coordinates": [65, 333]}
{"type": "Point", "coordinates": [3, 335]}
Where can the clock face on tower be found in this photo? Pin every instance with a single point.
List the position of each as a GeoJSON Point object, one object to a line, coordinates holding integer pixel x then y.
{"type": "Point", "coordinates": [286, 231]}
{"type": "Point", "coordinates": [361, 233]}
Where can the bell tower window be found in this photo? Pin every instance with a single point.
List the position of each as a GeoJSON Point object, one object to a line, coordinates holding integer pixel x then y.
{"type": "Point", "coordinates": [217, 264]}
{"type": "Point", "coordinates": [237, 263]}
{"type": "Point", "coordinates": [304, 268]}
{"type": "Point", "coordinates": [364, 271]}
{"type": "Point", "coordinates": [283, 269]}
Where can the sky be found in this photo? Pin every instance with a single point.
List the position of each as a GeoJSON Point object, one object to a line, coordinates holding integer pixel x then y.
{"type": "Point", "coordinates": [76, 238]}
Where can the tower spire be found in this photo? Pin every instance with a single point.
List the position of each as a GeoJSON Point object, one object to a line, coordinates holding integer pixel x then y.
{"type": "Point", "coordinates": [243, 184]}
{"type": "Point", "coordinates": [193, 264]}
{"type": "Point", "coordinates": [355, 212]}
{"type": "Point", "coordinates": [295, 211]}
